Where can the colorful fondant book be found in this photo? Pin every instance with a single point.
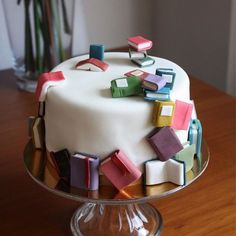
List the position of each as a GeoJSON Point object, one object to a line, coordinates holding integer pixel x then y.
{"type": "Point", "coordinates": [163, 113]}
{"type": "Point", "coordinates": [164, 142]}
{"type": "Point", "coordinates": [126, 86]}
{"type": "Point", "coordinates": [195, 135]}
{"type": "Point", "coordinates": [143, 62]}
{"type": "Point", "coordinates": [153, 82]}
{"type": "Point", "coordinates": [182, 115]}
{"type": "Point", "coordinates": [47, 80]}
{"type": "Point", "coordinates": [38, 132]}
{"type": "Point", "coordinates": [134, 54]}
{"type": "Point", "coordinates": [168, 74]}
{"type": "Point", "coordinates": [61, 160]}
{"type": "Point", "coordinates": [120, 170]}
{"type": "Point", "coordinates": [41, 109]}
{"type": "Point", "coordinates": [139, 43]}
{"type": "Point", "coordinates": [186, 155]}
{"type": "Point", "coordinates": [96, 51]}
{"type": "Point", "coordinates": [92, 64]}
{"type": "Point", "coordinates": [84, 171]}
{"type": "Point", "coordinates": [158, 172]}
{"type": "Point", "coordinates": [160, 95]}
{"type": "Point", "coordinates": [140, 73]}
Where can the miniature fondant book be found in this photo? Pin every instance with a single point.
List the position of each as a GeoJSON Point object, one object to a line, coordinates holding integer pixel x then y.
{"type": "Point", "coordinates": [164, 142]}
{"type": "Point", "coordinates": [143, 62]}
{"type": "Point", "coordinates": [41, 109]}
{"type": "Point", "coordinates": [92, 64]}
{"type": "Point", "coordinates": [182, 115]}
{"type": "Point", "coordinates": [47, 80]}
{"type": "Point", "coordinates": [61, 160]}
{"type": "Point", "coordinates": [195, 135]}
{"type": "Point", "coordinates": [84, 171]}
{"type": "Point", "coordinates": [38, 133]}
{"type": "Point", "coordinates": [187, 156]}
{"type": "Point", "coordinates": [154, 82]}
{"type": "Point", "coordinates": [163, 113]}
{"type": "Point", "coordinates": [37, 161]}
{"type": "Point", "coordinates": [158, 172]}
{"type": "Point", "coordinates": [140, 73]}
{"type": "Point", "coordinates": [139, 43]}
{"type": "Point", "coordinates": [134, 54]}
{"type": "Point", "coordinates": [160, 95]}
{"type": "Point", "coordinates": [126, 86]}
{"type": "Point", "coordinates": [96, 51]}
{"type": "Point", "coordinates": [120, 170]}
{"type": "Point", "coordinates": [168, 74]}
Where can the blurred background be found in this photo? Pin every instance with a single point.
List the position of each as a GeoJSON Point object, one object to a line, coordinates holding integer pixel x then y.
{"type": "Point", "coordinates": [200, 36]}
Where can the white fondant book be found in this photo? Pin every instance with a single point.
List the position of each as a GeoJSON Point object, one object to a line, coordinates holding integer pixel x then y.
{"type": "Point", "coordinates": [158, 172]}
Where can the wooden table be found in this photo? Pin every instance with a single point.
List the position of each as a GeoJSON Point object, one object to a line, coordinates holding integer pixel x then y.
{"type": "Point", "coordinates": [207, 207]}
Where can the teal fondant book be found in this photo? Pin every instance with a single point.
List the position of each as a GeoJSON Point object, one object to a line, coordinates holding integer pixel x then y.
{"type": "Point", "coordinates": [126, 86]}
{"type": "Point", "coordinates": [143, 62]}
{"type": "Point", "coordinates": [168, 74]}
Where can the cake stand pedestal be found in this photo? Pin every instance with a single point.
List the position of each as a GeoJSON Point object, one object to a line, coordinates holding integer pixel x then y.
{"type": "Point", "coordinates": [131, 219]}
{"type": "Point", "coordinates": [108, 211]}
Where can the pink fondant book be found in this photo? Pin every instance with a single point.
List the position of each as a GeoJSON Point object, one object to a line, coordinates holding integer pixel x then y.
{"type": "Point", "coordinates": [120, 170]}
{"type": "Point", "coordinates": [46, 80]}
{"type": "Point", "coordinates": [182, 115]}
{"type": "Point", "coordinates": [139, 43]}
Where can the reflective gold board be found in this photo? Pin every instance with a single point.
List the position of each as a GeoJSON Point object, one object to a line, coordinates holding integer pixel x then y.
{"type": "Point", "coordinates": [43, 172]}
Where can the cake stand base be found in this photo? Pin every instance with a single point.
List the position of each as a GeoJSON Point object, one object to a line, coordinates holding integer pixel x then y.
{"type": "Point", "coordinates": [102, 220]}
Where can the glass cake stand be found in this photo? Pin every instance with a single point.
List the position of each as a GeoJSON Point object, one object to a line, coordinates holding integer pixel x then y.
{"type": "Point", "coordinates": [108, 211]}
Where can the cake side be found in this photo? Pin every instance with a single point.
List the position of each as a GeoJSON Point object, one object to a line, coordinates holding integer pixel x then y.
{"type": "Point", "coordinates": [82, 116]}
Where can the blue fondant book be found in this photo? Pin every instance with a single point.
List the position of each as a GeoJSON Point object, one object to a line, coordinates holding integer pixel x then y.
{"type": "Point", "coordinates": [161, 95]}
{"type": "Point", "coordinates": [168, 74]}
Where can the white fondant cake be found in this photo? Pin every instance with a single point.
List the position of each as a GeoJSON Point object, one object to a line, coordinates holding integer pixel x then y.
{"type": "Point", "coordinates": [81, 114]}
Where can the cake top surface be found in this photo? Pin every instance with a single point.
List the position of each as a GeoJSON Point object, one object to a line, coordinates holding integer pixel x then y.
{"type": "Point", "coordinates": [88, 88]}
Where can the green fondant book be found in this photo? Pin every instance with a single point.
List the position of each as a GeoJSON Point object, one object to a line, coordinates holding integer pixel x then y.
{"type": "Point", "coordinates": [126, 86]}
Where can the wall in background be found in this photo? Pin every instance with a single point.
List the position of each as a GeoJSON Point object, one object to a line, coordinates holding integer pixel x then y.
{"type": "Point", "coordinates": [6, 55]}
{"type": "Point", "coordinates": [231, 72]}
{"type": "Point", "coordinates": [109, 22]}
{"type": "Point", "coordinates": [194, 34]}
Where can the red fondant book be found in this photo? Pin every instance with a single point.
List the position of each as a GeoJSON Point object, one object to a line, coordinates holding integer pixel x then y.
{"type": "Point", "coordinates": [140, 43]}
{"type": "Point", "coordinates": [46, 80]}
{"type": "Point", "coordinates": [92, 64]}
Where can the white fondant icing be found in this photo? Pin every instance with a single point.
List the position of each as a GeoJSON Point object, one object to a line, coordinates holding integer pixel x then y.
{"type": "Point", "coordinates": [137, 72]}
{"type": "Point", "coordinates": [166, 110]}
{"type": "Point", "coordinates": [121, 83]}
{"type": "Point", "coordinates": [169, 78]}
{"type": "Point", "coordinates": [82, 116]}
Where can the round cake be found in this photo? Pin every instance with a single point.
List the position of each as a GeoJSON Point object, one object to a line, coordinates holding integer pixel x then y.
{"type": "Point", "coordinates": [82, 116]}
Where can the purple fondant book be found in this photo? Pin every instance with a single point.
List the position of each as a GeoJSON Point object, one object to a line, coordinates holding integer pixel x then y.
{"type": "Point", "coordinates": [164, 142]}
{"type": "Point", "coordinates": [84, 171]}
{"type": "Point", "coordinates": [154, 82]}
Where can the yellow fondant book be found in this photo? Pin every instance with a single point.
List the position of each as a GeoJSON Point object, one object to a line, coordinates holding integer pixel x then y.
{"type": "Point", "coordinates": [163, 113]}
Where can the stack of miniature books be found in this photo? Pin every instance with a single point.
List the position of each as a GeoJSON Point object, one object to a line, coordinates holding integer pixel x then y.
{"type": "Point", "coordinates": [138, 47]}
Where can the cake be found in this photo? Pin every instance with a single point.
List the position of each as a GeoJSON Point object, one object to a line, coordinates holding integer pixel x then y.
{"type": "Point", "coordinates": [81, 115]}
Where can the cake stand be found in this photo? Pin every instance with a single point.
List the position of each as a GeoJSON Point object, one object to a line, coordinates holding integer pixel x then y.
{"type": "Point", "coordinates": [107, 211]}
